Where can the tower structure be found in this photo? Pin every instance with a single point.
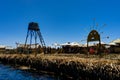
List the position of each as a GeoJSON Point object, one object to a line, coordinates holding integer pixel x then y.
{"type": "Point", "coordinates": [94, 36]}
{"type": "Point", "coordinates": [33, 34]}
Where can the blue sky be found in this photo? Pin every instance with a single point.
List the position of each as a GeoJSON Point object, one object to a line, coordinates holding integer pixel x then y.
{"type": "Point", "coordinates": [59, 20]}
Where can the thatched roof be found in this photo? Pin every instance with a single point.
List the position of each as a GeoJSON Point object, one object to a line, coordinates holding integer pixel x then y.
{"type": "Point", "coordinates": [112, 43]}
{"type": "Point", "coordinates": [116, 41]}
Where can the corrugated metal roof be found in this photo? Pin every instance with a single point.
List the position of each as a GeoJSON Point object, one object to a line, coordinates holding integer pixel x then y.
{"type": "Point", "coordinates": [28, 45]}
{"type": "Point", "coordinates": [71, 44]}
{"type": "Point", "coordinates": [2, 46]}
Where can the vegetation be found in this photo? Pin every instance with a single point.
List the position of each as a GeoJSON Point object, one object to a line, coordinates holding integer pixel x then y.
{"type": "Point", "coordinates": [77, 66]}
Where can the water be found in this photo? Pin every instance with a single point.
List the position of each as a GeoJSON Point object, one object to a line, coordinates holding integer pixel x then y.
{"type": "Point", "coordinates": [9, 73]}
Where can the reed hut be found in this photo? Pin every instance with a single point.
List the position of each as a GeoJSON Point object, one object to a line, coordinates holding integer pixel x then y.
{"type": "Point", "coordinates": [115, 46]}
{"type": "Point", "coordinates": [21, 48]}
{"type": "Point", "coordinates": [2, 49]}
{"type": "Point", "coordinates": [71, 47]}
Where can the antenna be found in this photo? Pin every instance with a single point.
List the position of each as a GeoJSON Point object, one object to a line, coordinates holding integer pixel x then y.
{"type": "Point", "coordinates": [106, 37]}
{"type": "Point", "coordinates": [97, 26]}
{"type": "Point", "coordinates": [94, 23]}
{"type": "Point", "coordinates": [86, 30]}
{"type": "Point", "coordinates": [102, 27]}
{"type": "Point", "coordinates": [90, 27]}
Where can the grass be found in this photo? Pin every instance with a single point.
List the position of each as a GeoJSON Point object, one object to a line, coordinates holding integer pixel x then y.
{"type": "Point", "coordinates": [75, 65]}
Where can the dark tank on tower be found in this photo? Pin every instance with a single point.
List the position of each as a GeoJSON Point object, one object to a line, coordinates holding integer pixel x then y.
{"type": "Point", "coordinates": [33, 34]}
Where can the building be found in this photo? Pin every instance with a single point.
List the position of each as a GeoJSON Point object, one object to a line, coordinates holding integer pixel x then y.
{"type": "Point", "coordinates": [71, 47]}
{"type": "Point", "coordinates": [2, 49]}
{"type": "Point", "coordinates": [28, 48]}
{"type": "Point", "coordinates": [6, 49]}
{"type": "Point", "coordinates": [114, 46]}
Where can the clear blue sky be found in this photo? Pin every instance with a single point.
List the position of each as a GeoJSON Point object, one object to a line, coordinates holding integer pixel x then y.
{"type": "Point", "coordinates": [59, 20]}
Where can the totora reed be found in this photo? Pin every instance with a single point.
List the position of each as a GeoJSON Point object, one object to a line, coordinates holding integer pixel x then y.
{"type": "Point", "coordinates": [76, 66]}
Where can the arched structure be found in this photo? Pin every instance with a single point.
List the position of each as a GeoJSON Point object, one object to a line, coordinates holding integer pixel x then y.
{"type": "Point", "coordinates": [94, 36]}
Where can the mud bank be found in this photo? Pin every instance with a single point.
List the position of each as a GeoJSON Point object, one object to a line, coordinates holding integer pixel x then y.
{"type": "Point", "coordinates": [72, 66]}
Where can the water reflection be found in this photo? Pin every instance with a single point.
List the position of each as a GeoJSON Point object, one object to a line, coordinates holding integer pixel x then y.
{"type": "Point", "coordinates": [10, 73]}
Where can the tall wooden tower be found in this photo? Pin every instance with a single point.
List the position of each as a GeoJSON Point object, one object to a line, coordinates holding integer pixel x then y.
{"type": "Point", "coordinates": [33, 34]}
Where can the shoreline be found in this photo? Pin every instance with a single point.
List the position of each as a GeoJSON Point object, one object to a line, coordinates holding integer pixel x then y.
{"type": "Point", "coordinates": [77, 66]}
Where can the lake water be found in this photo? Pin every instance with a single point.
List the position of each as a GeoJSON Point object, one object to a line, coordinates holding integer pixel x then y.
{"type": "Point", "coordinates": [9, 73]}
